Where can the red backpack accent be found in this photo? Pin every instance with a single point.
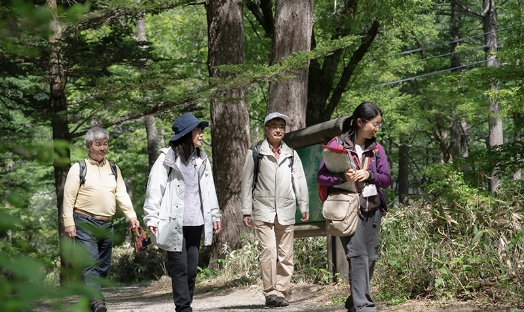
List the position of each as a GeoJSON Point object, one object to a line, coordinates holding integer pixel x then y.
{"type": "Point", "coordinates": [323, 192]}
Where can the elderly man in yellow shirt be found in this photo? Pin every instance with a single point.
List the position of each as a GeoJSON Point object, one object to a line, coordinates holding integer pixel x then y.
{"type": "Point", "coordinates": [89, 208]}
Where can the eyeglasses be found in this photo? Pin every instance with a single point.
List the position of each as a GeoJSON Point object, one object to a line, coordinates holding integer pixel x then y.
{"type": "Point", "coordinates": [377, 125]}
{"type": "Point", "coordinates": [279, 127]}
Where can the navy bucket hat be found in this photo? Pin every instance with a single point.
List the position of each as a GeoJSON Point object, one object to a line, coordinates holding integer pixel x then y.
{"type": "Point", "coordinates": [185, 124]}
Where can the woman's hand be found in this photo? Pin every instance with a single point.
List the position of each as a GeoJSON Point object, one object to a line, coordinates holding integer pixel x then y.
{"type": "Point", "coordinates": [217, 226]}
{"type": "Point", "coordinates": [152, 229]}
{"type": "Point", "coordinates": [356, 175]}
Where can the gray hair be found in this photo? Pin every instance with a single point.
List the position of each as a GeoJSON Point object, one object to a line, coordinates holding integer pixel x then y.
{"type": "Point", "coordinates": [96, 133]}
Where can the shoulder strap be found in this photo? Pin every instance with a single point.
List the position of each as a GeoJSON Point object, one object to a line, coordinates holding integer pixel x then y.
{"type": "Point", "coordinates": [256, 160]}
{"type": "Point", "coordinates": [82, 171]}
{"type": "Point", "coordinates": [367, 161]}
{"type": "Point", "coordinates": [376, 154]}
{"type": "Point", "coordinates": [113, 169]}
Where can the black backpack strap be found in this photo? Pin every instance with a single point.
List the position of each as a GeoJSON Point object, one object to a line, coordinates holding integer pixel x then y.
{"type": "Point", "coordinates": [82, 172]}
{"type": "Point", "coordinates": [255, 151]}
{"type": "Point", "coordinates": [291, 159]}
{"type": "Point", "coordinates": [113, 169]}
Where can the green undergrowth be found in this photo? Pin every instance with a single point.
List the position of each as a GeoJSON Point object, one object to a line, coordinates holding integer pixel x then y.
{"type": "Point", "coordinates": [455, 243]}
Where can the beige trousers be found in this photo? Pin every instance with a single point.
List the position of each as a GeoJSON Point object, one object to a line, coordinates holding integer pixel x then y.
{"type": "Point", "coordinates": [276, 258]}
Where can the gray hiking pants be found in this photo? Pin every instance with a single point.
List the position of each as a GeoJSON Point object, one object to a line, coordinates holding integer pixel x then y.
{"type": "Point", "coordinates": [362, 252]}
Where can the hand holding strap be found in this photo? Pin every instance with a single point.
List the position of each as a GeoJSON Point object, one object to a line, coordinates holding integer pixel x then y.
{"type": "Point", "coordinates": [139, 238]}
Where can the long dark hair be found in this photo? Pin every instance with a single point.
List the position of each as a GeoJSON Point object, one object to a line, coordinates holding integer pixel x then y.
{"type": "Point", "coordinates": [183, 147]}
{"type": "Point", "coordinates": [364, 111]}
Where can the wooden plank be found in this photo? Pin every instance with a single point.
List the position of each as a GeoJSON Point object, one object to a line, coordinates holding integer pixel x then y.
{"type": "Point", "coordinates": [310, 229]}
{"type": "Point", "coordinates": [317, 134]}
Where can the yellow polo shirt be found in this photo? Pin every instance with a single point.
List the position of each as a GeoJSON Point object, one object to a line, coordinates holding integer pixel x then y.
{"type": "Point", "coordinates": [98, 195]}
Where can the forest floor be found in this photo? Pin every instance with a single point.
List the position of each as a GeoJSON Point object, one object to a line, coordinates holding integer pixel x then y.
{"type": "Point", "coordinates": [156, 297]}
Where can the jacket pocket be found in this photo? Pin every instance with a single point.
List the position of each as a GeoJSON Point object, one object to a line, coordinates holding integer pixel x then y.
{"type": "Point", "coordinates": [161, 238]}
{"type": "Point", "coordinates": [164, 232]}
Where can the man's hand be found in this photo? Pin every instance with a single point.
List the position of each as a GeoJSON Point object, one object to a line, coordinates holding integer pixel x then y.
{"type": "Point", "coordinates": [134, 222]}
{"type": "Point", "coordinates": [247, 221]}
{"type": "Point", "coordinates": [305, 217]}
{"type": "Point", "coordinates": [70, 231]}
{"type": "Point", "coordinates": [217, 226]}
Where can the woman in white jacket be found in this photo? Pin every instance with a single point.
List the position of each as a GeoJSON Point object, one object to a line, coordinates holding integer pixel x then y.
{"type": "Point", "coordinates": [180, 204]}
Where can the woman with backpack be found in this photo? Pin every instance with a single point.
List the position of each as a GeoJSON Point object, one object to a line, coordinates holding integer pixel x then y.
{"type": "Point", "coordinates": [370, 174]}
{"type": "Point", "coordinates": [181, 204]}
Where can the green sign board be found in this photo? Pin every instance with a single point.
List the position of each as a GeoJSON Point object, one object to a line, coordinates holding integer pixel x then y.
{"type": "Point", "coordinates": [311, 157]}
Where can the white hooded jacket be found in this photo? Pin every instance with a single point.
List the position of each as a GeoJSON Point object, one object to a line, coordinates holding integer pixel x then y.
{"type": "Point", "coordinates": [164, 204]}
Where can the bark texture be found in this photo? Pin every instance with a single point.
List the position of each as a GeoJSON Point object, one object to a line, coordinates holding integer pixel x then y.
{"type": "Point", "coordinates": [59, 121]}
{"type": "Point", "coordinates": [229, 119]}
{"type": "Point", "coordinates": [292, 33]}
{"type": "Point", "coordinates": [403, 172]}
{"type": "Point", "coordinates": [454, 30]}
{"type": "Point", "coordinates": [153, 140]}
{"type": "Point", "coordinates": [489, 25]}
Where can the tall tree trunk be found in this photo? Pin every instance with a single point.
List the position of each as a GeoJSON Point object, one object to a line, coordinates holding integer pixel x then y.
{"type": "Point", "coordinates": [325, 91]}
{"type": "Point", "coordinates": [229, 119]}
{"type": "Point", "coordinates": [151, 130]}
{"type": "Point", "coordinates": [489, 25]}
{"type": "Point", "coordinates": [454, 30]}
{"type": "Point", "coordinates": [458, 129]}
{"type": "Point", "coordinates": [518, 122]}
{"type": "Point", "coordinates": [459, 142]}
{"type": "Point", "coordinates": [292, 33]}
{"type": "Point", "coordinates": [403, 172]}
{"type": "Point", "coordinates": [153, 139]}
{"type": "Point", "coordinates": [59, 120]}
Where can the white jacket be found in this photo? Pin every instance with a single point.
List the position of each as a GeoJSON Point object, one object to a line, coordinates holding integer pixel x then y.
{"type": "Point", "coordinates": [164, 203]}
{"type": "Point", "coordinates": [278, 188]}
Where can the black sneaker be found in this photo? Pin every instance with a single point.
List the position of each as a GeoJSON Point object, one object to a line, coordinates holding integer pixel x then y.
{"type": "Point", "coordinates": [271, 301]}
{"type": "Point", "coordinates": [98, 306]}
{"type": "Point", "coordinates": [349, 304]}
{"type": "Point", "coordinates": [282, 302]}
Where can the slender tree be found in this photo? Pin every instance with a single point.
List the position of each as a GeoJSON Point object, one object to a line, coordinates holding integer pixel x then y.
{"type": "Point", "coordinates": [58, 103]}
{"type": "Point", "coordinates": [292, 33]}
{"type": "Point", "coordinates": [459, 128]}
{"type": "Point", "coordinates": [229, 119]}
{"type": "Point", "coordinates": [489, 26]}
{"type": "Point", "coordinates": [329, 77]}
{"type": "Point", "coordinates": [153, 140]}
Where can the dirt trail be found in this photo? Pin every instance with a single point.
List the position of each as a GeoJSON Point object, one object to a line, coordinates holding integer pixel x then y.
{"type": "Point", "coordinates": [156, 297]}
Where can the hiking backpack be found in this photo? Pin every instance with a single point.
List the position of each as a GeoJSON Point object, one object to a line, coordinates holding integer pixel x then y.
{"type": "Point", "coordinates": [83, 170]}
{"type": "Point", "coordinates": [255, 151]}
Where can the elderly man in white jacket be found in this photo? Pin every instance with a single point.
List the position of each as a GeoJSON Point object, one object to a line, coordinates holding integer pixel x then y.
{"type": "Point", "coordinates": [271, 205]}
